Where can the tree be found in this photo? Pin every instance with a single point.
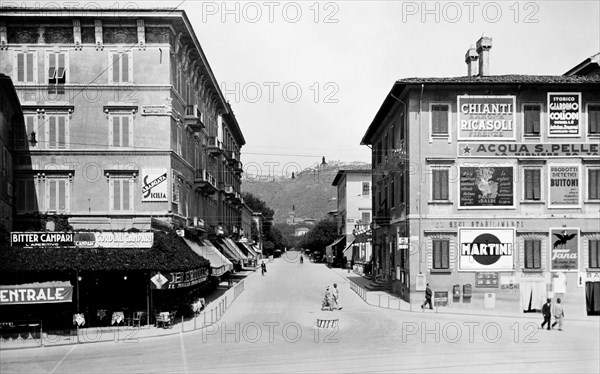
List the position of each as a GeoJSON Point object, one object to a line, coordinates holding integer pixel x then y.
{"type": "Point", "coordinates": [272, 240]}
{"type": "Point", "coordinates": [320, 236]}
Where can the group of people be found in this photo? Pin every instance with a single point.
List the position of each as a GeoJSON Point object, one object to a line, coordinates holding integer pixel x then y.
{"type": "Point", "coordinates": [557, 310]}
{"type": "Point", "coordinates": [331, 298]}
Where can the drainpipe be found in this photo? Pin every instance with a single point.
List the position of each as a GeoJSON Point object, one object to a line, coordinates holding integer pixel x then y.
{"type": "Point", "coordinates": [420, 164]}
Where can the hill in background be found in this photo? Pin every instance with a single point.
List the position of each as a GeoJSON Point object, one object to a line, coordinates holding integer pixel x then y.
{"type": "Point", "coordinates": [310, 193]}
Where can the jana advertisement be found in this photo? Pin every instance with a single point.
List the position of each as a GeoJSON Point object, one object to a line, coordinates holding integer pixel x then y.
{"type": "Point", "coordinates": [564, 244]}
{"type": "Point", "coordinates": [486, 117]}
{"type": "Point", "coordinates": [486, 249]}
{"type": "Point", "coordinates": [154, 185]}
{"type": "Point", "coordinates": [564, 110]}
{"type": "Point", "coordinates": [486, 187]}
{"type": "Point", "coordinates": [104, 239]}
{"type": "Point", "coordinates": [564, 186]}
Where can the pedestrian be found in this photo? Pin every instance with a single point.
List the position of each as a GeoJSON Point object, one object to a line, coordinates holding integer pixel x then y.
{"type": "Point", "coordinates": [263, 268]}
{"type": "Point", "coordinates": [546, 313]}
{"type": "Point", "coordinates": [326, 299]}
{"type": "Point", "coordinates": [335, 296]}
{"type": "Point", "coordinates": [559, 314]}
{"type": "Point", "coordinates": [428, 295]}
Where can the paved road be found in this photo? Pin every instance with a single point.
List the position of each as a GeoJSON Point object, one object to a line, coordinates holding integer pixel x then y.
{"type": "Point", "coordinates": [271, 328]}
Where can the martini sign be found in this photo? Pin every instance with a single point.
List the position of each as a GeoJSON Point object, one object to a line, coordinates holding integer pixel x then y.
{"type": "Point", "coordinates": [486, 249]}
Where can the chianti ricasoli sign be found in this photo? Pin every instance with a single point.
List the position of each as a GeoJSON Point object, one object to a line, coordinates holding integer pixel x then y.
{"type": "Point", "coordinates": [486, 117]}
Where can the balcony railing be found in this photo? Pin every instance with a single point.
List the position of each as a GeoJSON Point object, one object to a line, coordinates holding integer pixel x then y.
{"type": "Point", "coordinates": [231, 156]}
{"type": "Point", "coordinates": [214, 145]}
{"type": "Point", "coordinates": [205, 181]}
{"type": "Point", "coordinates": [228, 190]}
{"type": "Point", "coordinates": [193, 118]}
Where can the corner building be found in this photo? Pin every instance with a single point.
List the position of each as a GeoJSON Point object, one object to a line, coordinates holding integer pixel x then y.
{"type": "Point", "coordinates": [125, 124]}
{"type": "Point", "coordinates": [487, 187]}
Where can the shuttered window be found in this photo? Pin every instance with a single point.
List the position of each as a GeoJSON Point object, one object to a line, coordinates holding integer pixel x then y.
{"type": "Point", "coordinates": [594, 184]}
{"type": "Point", "coordinates": [26, 198]}
{"type": "Point", "coordinates": [440, 184]}
{"type": "Point", "coordinates": [531, 115]}
{"type": "Point", "coordinates": [593, 119]}
{"type": "Point", "coordinates": [120, 69]}
{"type": "Point", "coordinates": [533, 254]}
{"type": "Point", "coordinates": [594, 253]}
{"type": "Point", "coordinates": [441, 254]}
{"type": "Point", "coordinates": [57, 194]}
{"type": "Point", "coordinates": [439, 119]}
{"type": "Point", "coordinates": [121, 194]}
{"type": "Point", "coordinates": [26, 68]}
{"type": "Point", "coordinates": [121, 130]}
{"type": "Point", "coordinates": [532, 184]}
{"type": "Point", "coordinates": [57, 131]}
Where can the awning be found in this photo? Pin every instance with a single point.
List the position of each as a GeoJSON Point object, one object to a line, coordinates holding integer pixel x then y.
{"type": "Point", "coordinates": [231, 244]}
{"type": "Point", "coordinates": [245, 248]}
{"type": "Point", "coordinates": [348, 250]}
{"type": "Point", "coordinates": [232, 256]}
{"type": "Point", "coordinates": [218, 263]}
{"type": "Point", "coordinates": [257, 250]}
{"type": "Point", "coordinates": [36, 293]}
{"type": "Point", "coordinates": [336, 242]}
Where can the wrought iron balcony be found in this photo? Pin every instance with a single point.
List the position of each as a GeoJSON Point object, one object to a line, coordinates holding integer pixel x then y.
{"type": "Point", "coordinates": [193, 118]}
{"type": "Point", "coordinates": [214, 145]}
{"type": "Point", "coordinates": [205, 181]}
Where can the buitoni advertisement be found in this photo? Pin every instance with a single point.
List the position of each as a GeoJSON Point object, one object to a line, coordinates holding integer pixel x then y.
{"type": "Point", "coordinates": [564, 186]}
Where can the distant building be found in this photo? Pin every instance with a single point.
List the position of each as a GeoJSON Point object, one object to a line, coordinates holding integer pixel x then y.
{"type": "Point", "coordinates": [301, 231]}
{"type": "Point", "coordinates": [483, 185]}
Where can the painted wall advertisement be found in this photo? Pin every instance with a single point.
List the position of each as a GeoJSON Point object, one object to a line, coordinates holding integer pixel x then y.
{"type": "Point", "coordinates": [564, 113]}
{"type": "Point", "coordinates": [564, 244]}
{"type": "Point", "coordinates": [564, 187]}
{"type": "Point", "coordinates": [99, 239]}
{"type": "Point", "coordinates": [36, 293]}
{"type": "Point", "coordinates": [487, 250]}
{"type": "Point", "coordinates": [527, 150]}
{"type": "Point", "coordinates": [486, 117]}
{"type": "Point", "coordinates": [154, 185]}
{"type": "Point", "coordinates": [486, 187]}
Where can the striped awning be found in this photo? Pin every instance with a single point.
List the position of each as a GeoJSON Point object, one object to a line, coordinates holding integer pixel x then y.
{"type": "Point", "coordinates": [219, 264]}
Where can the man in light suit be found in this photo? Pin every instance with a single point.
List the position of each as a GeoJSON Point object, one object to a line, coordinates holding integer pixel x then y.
{"type": "Point", "coordinates": [547, 313]}
{"type": "Point", "coordinates": [559, 314]}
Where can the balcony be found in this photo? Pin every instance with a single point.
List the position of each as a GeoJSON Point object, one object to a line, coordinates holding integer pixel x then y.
{"type": "Point", "coordinates": [228, 190]}
{"type": "Point", "coordinates": [214, 146]}
{"type": "Point", "coordinates": [205, 182]}
{"type": "Point", "coordinates": [237, 198]}
{"type": "Point", "coordinates": [231, 156]}
{"type": "Point", "coordinates": [193, 118]}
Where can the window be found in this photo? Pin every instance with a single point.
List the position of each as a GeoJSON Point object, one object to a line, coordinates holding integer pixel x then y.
{"type": "Point", "coordinates": [594, 184]}
{"type": "Point", "coordinates": [26, 198]}
{"type": "Point", "coordinates": [26, 64]}
{"type": "Point", "coordinates": [57, 131]}
{"type": "Point", "coordinates": [121, 194]}
{"type": "Point", "coordinates": [120, 68]}
{"type": "Point", "coordinates": [179, 140]}
{"type": "Point", "coordinates": [56, 63]}
{"type": "Point", "coordinates": [366, 188]}
{"type": "Point", "coordinates": [533, 254]}
{"type": "Point", "coordinates": [439, 119]}
{"type": "Point", "coordinates": [594, 253]}
{"type": "Point", "coordinates": [365, 218]}
{"type": "Point", "coordinates": [57, 194]}
{"type": "Point", "coordinates": [531, 119]}
{"type": "Point", "coordinates": [392, 194]}
{"type": "Point", "coordinates": [401, 198]}
{"type": "Point", "coordinates": [441, 254]}
{"type": "Point", "coordinates": [593, 115]}
{"type": "Point", "coordinates": [532, 184]}
{"type": "Point", "coordinates": [378, 153]}
{"type": "Point", "coordinates": [120, 130]}
{"type": "Point", "coordinates": [386, 146]}
{"type": "Point", "coordinates": [24, 133]}
{"type": "Point", "coordinates": [440, 184]}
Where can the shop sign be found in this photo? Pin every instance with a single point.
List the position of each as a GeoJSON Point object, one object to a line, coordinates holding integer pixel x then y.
{"type": "Point", "coordinates": [486, 187]}
{"type": "Point", "coordinates": [564, 244]}
{"type": "Point", "coordinates": [158, 281]}
{"type": "Point", "coordinates": [486, 280]}
{"type": "Point", "coordinates": [486, 249]}
{"type": "Point", "coordinates": [104, 239]}
{"type": "Point", "coordinates": [186, 278]}
{"type": "Point", "coordinates": [156, 110]}
{"type": "Point", "coordinates": [154, 185]}
{"type": "Point", "coordinates": [486, 117]}
{"type": "Point", "coordinates": [533, 277]}
{"type": "Point", "coordinates": [585, 276]}
{"type": "Point", "coordinates": [564, 111]}
{"type": "Point", "coordinates": [528, 150]}
{"type": "Point", "coordinates": [42, 239]}
{"type": "Point", "coordinates": [36, 293]}
{"type": "Point", "coordinates": [440, 298]}
{"type": "Point", "coordinates": [564, 186]}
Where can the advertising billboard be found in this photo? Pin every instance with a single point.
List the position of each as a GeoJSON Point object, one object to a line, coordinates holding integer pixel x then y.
{"type": "Point", "coordinates": [154, 185]}
{"type": "Point", "coordinates": [564, 246]}
{"type": "Point", "coordinates": [486, 187]}
{"type": "Point", "coordinates": [564, 186]}
{"type": "Point", "coordinates": [486, 250]}
{"type": "Point", "coordinates": [564, 113]}
{"type": "Point", "coordinates": [486, 117]}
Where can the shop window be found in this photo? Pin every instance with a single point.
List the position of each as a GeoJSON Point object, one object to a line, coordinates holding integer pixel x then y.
{"type": "Point", "coordinates": [593, 115]}
{"type": "Point", "coordinates": [57, 131]}
{"type": "Point", "coordinates": [120, 130]}
{"type": "Point", "coordinates": [440, 114]}
{"type": "Point", "coordinates": [594, 253]}
{"type": "Point", "coordinates": [366, 188]}
{"type": "Point", "coordinates": [26, 64]}
{"type": "Point", "coordinates": [593, 184]}
{"type": "Point", "coordinates": [121, 193]}
{"type": "Point", "coordinates": [441, 254]}
{"type": "Point", "coordinates": [120, 67]}
{"type": "Point", "coordinates": [440, 184]}
{"type": "Point", "coordinates": [533, 254]}
{"type": "Point", "coordinates": [531, 119]}
{"type": "Point", "coordinates": [532, 184]}
{"type": "Point", "coordinates": [57, 194]}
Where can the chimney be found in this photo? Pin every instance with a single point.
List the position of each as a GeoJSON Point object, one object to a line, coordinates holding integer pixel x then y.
{"type": "Point", "coordinates": [471, 59]}
{"type": "Point", "coordinates": [484, 44]}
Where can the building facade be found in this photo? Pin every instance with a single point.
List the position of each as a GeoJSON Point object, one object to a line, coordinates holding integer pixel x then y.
{"type": "Point", "coordinates": [354, 213]}
{"type": "Point", "coordinates": [487, 187]}
{"type": "Point", "coordinates": [124, 122]}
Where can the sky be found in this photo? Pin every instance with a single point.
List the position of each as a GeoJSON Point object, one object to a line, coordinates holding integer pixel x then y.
{"type": "Point", "coordinates": [306, 78]}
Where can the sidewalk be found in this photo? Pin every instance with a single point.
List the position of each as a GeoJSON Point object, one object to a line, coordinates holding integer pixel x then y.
{"type": "Point", "coordinates": [387, 300]}
{"type": "Point", "coordinates": [217, 304]}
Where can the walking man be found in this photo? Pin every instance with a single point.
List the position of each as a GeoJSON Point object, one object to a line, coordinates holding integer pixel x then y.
{"type": "Point", "coordinates": [335, 293]}
{"type": "Point", "coordinates": [428, 295]}
{"type": "Point", "coordinates": [547, 313]}
{"type": "Point", "coordinates": [559, 314]}
{"type": "Point", "coordinates": [263, 268]}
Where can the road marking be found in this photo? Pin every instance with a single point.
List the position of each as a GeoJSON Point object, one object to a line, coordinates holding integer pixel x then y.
{"type": "Point", "coordinates": [63, 359]}
{"type": "Point", "coordinates": [183, 357]}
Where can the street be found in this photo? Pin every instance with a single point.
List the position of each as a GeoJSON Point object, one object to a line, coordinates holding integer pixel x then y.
{"type": "Point", "coordinates": [271, 328]}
